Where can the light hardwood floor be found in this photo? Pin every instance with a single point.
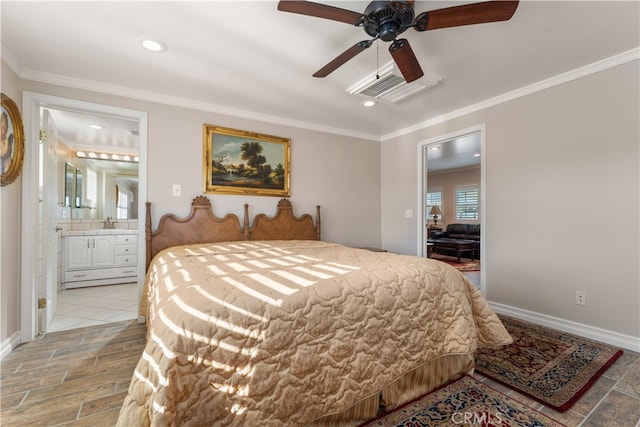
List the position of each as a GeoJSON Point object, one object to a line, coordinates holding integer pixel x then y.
{"type": "Point", "coordinates": [80, 378]}
{"type": "Point", "coordinates": [77, 377]}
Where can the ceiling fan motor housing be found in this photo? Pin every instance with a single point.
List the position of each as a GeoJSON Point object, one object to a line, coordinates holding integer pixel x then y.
{"type": "Point", "coordinates": [386, 20]}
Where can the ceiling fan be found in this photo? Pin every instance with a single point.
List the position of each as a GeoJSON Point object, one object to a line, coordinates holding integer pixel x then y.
{"type": "Point", "coordinates": [386, 20]}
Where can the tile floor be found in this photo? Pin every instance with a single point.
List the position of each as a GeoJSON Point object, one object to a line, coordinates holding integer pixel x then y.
{"type": "Point", "coordinates": [95, 305]}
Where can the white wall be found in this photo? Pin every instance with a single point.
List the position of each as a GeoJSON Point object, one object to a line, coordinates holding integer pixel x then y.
{"type": "Point", "coordinates": [553, 159]}
{"type": "Point", "coordinates": [10, 200]}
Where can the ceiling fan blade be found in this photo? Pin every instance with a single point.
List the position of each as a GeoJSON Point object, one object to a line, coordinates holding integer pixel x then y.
{"type": "Point", "coordinates": [406, 60]}
{"type": "Point", "coordinates": [319, 10]}
{"type": "Point", "coordinates": [467, 14]}
{"type": "Point", "coordinates": [342, 58]}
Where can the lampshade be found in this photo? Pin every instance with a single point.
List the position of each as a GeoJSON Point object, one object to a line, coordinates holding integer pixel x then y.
{"type": "Point", "coordinates": [435, 210]}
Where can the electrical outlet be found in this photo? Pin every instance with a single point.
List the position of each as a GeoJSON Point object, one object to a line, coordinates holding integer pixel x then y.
{"type": "Point", "coordinates": [581, 298]}
{"type": "Point", "coordinates": [408, 213]}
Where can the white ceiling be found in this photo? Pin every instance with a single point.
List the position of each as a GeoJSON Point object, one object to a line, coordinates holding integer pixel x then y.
{"type": "Point", "coordinates": [247, 58]}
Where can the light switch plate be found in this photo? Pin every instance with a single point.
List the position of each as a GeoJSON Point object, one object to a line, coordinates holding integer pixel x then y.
{"type": "Point", "coordinates": [176, 190]}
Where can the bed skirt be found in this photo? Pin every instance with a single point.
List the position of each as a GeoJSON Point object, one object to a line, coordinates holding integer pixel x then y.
{"type": "Point", "coordinates": [407, 388]}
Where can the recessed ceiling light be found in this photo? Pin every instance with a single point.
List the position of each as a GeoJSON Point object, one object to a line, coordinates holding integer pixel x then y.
{"type": "Point", "coordinates": [94, 126]}
{"type": "Point", "coordinates": [368, 103]}
{"type": "Point", "coordinates": [152, 45]}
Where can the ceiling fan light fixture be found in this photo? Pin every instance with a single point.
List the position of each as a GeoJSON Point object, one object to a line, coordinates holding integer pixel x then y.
{"type": "Point", "coordinates": [386, 19]}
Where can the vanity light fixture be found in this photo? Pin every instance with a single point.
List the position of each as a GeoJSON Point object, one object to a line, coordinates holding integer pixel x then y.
{"type": "Point", "coordinates": [108, 156]}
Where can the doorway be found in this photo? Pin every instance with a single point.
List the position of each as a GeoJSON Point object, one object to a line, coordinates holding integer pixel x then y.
{"type": "Point", "coordinates": [34, 236]}
{"type": "Point", "coordinates": [452, 189]}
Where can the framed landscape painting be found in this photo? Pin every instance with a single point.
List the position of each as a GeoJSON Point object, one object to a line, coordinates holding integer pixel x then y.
{"type": "Point", "coordinates": [242, 162]}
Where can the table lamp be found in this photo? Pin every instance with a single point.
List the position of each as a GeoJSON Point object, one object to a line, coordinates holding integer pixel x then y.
{"type": "Point", "coordinates": [435, 211]}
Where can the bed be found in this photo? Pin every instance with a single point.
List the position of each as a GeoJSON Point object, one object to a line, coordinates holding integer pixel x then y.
{"type": "Point", "coordinates": [263, 323]}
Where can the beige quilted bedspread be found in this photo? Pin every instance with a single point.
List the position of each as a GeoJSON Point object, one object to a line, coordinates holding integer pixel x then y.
{"type": "Point", "coordinates": [282, 333]}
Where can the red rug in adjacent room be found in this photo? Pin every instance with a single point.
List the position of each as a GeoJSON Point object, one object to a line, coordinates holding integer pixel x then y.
{"type": "Point", "coordinates": [552, 367]}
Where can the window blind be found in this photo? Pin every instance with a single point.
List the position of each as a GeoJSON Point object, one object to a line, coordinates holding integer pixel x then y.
{"type": "Point", "coordinates": [467, 203]}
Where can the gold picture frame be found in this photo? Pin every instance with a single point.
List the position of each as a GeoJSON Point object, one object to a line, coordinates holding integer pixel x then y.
{"type": "Point", "coordinates": [11, 141]}
{"type": "Point", "coordinates": [243, 162]}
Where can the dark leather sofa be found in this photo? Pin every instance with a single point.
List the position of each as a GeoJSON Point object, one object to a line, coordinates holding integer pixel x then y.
{"type": "Point", "coordinates": [460, 231]}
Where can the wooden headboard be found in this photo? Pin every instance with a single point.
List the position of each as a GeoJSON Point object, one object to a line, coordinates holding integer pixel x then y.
{"type": "Point", "coordinates": [285, 225]}
{"type": "Point", "coordinates": [202, 226]}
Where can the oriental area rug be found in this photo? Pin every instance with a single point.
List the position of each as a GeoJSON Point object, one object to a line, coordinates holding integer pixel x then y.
{"type": "Point", "coordinates": [465, 264]}
{"type": "Point", "coordinates": [465, 402]}
{"type": "Point", "coordinates": [552, 367]}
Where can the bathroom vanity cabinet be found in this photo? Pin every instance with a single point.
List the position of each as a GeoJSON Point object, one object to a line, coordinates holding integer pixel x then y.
{"type": "Point", "coordinates": [99, 257]}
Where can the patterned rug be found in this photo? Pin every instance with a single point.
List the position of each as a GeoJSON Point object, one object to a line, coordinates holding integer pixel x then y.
{"type": "Point", "coordinates": [465, 402]}
{"type": "Point", "coordinates": [552, 367]}
{"type": "Point", "coordinates": [465, 264]}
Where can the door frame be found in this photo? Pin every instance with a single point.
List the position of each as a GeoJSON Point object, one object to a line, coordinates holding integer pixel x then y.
{"type": "Point", "coordinates": [31, 104]}
{"type": "Point", "coordinates": [423, 146]}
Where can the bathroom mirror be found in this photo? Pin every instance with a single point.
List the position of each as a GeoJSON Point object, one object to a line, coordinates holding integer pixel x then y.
{"type": "Point", "coordinates": [118, 190]}
{"type": "Point", "coordinates": [68, 184]}
{"type": "Point", "coordinates": [78, 192]}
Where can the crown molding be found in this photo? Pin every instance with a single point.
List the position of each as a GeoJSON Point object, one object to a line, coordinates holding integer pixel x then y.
{"type": "Point", "coordinates": [93, 86]}
{"type": "Point", "coordinates": [613, 61]}
{"type": "Point", "coordinates": [10, 60]}
{"type": "Point", "coordinates": [55, 79]}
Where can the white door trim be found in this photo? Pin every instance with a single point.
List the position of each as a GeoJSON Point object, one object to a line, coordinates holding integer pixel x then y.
{"type": "Point", "coordinates": [31, 103]}
{"type": "Point", "coordinates": [422, 191]}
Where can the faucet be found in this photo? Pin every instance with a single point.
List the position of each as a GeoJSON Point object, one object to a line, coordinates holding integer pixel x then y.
{"type": "Point", "coordinates": [108, 224]}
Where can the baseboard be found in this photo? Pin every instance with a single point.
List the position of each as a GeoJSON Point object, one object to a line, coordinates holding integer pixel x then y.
{"type": "Point", "coordinates": [9, 344]}
{"type": "Point", "coordinates": [627, 342]}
